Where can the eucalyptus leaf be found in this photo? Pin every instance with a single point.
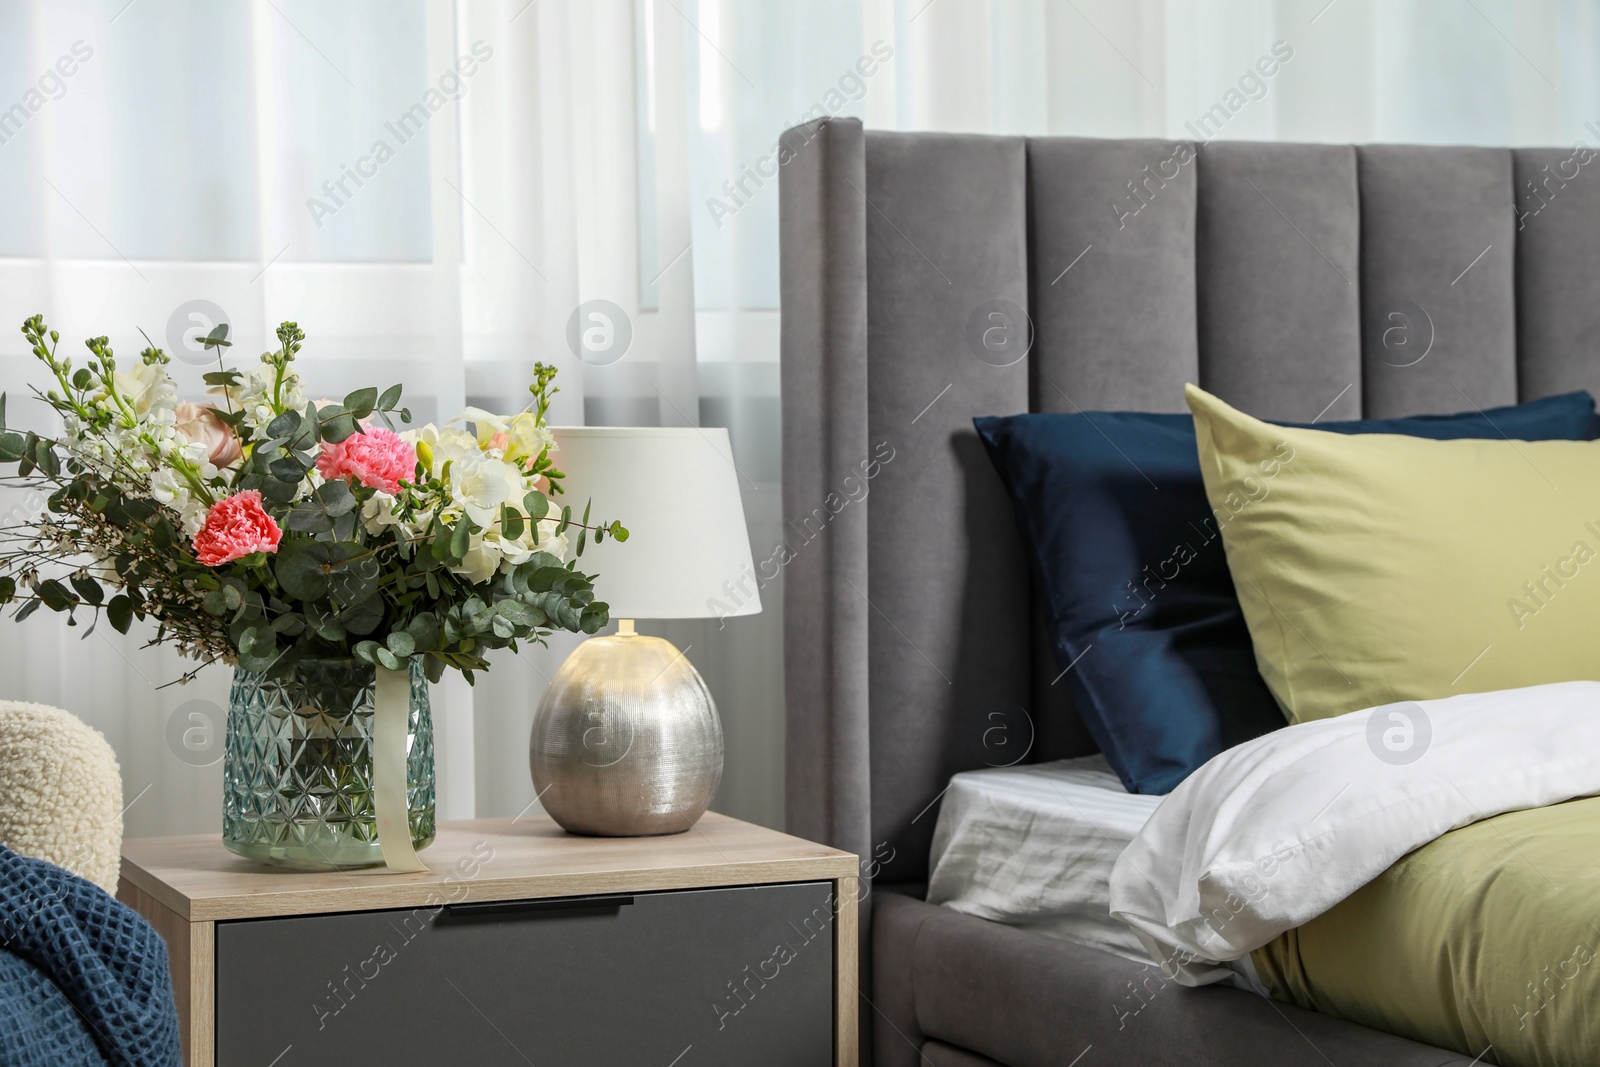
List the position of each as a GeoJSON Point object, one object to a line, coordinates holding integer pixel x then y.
{"type": "Point", "coordinates": [278, 492]}
{"type": "Point", "coordinates": [287, 469]}
{"type": "Point", "coordinates": [308, 519]}
{"type": "Point", "coordinates": [545, 578]}
{"type": "Point", "coordinates": [322, 621]}
{"type": "Point", "coordinates": [517, 613]}
{"type": "Point", "coordinates": [87, 588]}
{"type": "Point", "coordinates": [511, 524]}
{"type": "Point", "coordinates": [217, 338]}
{"type": "Point", "coordinates": [351, 582]}
{"type": "Point", "coordinates": [361, 402]}
{"type": "Point", "coordinates": [284, 426]}
{"type": "Point", "coordinates": [335, 497]}
{"type": "Point", "coordinates": [363, 616]}
{"type": "Point", "coordinates": [338, 427]}
{"type": "Point", "coordinates": [461, 538]}
{"type": "Point", "coordinates": [290, 624]}
{"type": "Point", "coordinates": [311, 425]}
{"type": "Point", "coordinates": [439, 535]}
{"type": "Point", "coordinates": [301, 569]}
{"type": "Point", "coordinates": [424, 631]}
{"type": "Point", "coordinates": [55, 595]}
{"type": "Point", "coordinates": [120, 612]}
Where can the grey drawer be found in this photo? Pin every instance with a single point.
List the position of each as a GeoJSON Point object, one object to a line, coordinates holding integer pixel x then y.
{"type": "Point", "coordinates": [693, 978]}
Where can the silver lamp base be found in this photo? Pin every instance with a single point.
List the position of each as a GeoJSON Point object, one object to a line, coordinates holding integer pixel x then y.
{"type": "Point", "coordinates": [626, 742]}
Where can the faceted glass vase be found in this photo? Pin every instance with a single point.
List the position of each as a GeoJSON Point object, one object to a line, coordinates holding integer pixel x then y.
{"type": "Point", "coordinates": [297, 787]}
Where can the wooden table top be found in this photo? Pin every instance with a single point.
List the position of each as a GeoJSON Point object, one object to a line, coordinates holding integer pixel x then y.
{"type": "Point", "coordinates": [478, 860]}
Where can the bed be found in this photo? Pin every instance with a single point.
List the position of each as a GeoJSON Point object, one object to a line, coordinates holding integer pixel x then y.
{"type": "Point", "coordinates": [1296, 282]}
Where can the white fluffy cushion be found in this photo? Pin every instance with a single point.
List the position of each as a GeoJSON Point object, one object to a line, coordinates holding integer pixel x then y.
{"type": "Point", "coordinates": [60, 792]}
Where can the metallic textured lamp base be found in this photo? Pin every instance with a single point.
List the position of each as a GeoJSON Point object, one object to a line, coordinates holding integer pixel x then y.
{"type": "Point", "coordinates": [626, 741]}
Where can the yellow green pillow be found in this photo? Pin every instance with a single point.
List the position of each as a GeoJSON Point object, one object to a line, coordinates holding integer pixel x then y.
{"type": "Point", "coordinates": [1379, 568]}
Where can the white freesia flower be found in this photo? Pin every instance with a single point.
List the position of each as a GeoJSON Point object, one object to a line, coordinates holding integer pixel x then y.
{"type": "Point", "coordinates": [491, 552]}
{"type": "Point", "coordinates": [517, 438]}
{"type": "Point", "coordinates": [436, 447]}
{"type": "Point", "coordinates": [483, 471]}
{"type": "Point", "coordinates": [378, 513]}
{"type": "Point", "coordinates": [526, 438]}
{"type": "Point", "coordinates": [482, 485]}
{"type": "Point", "coordinates": [550, 541]}
{"type": "Point", "coordinates": [486, 423]}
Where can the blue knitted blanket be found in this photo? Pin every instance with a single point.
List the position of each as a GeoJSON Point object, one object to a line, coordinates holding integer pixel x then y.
{"type": "Point", "coordinates": [83, 978]}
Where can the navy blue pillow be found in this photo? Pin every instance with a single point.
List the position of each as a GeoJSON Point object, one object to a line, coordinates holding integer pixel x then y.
{"type": "Point", "coordinates": [1136, 592]}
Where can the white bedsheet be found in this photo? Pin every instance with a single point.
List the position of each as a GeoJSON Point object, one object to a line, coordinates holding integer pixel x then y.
{"type": "Point", "coordinates": [1274, 832]}
{"type": "Point", "coordinates": [1033, 846]}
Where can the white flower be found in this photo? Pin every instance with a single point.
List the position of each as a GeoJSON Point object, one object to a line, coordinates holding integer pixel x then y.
{"type": "Point", "coordinates": [378, 513]}
{"type": "Point", "coordinates": [436, 447]}
{"type": "Point", "coordinates": [168, 489]}
{"type": "Point", "coordinates": [479, 564]}
{"type": "Point", "coordinates": [550, 541]}
{"type": "Point", "coordinates": [517, 438]}
{"type": "Point", "coordinates": [487, 423]}
{"type": "Point", "coordinates": [482, 485]}
{"type": "Point", "coordinates": [526, 438]}
{"type": "Point", "coordinates": [142, 386]}
{"type": "Point", "coordinates": [165, 487]}
{"type": "Point", "coordinates": [255, 394]}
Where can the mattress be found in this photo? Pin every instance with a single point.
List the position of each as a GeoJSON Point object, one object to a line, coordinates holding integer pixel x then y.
{"type": "Point", "coordinates": [1033, 847]}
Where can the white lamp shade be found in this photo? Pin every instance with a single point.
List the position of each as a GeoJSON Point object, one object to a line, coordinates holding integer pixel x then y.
{"type": "Point", "coordinates": [677, 491]}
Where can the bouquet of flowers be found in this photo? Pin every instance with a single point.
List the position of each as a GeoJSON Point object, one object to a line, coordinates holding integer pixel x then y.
{"type": "Point", "coordinates": [265, 529]}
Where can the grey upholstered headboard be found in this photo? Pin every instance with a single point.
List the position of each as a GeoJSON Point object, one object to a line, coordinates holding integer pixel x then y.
{"type": "Point", "coordinates": [1294, 281]}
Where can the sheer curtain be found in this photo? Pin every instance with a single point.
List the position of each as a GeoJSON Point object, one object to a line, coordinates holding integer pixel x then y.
{"type": "Point", "coordinates": [441, 193]}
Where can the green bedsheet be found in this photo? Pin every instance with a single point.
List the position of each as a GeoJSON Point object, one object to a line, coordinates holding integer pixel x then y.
{"type": "Point", "coordinates": [1488, 936]}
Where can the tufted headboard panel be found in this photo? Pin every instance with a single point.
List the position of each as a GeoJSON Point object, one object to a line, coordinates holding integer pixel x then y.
{"type": "Point", "coordinates": [1295, 281]}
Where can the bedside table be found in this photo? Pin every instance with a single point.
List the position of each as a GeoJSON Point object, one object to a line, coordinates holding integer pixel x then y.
{"type": "Point", "coordinates": [726, 944]}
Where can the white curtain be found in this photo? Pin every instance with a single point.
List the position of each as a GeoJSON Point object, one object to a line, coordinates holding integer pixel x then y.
{"type": "Point", "coordinates": [435, 189]}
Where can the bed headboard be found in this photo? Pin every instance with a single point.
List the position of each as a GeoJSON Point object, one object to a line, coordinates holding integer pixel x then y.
{"type": "Point", "coordinates": [1294, 281]}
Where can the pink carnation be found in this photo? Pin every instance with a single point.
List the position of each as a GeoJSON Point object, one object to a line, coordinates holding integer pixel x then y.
{"type": "Point", "coordinates": [235, 528]}
{"type": "Point", "coordinates": [377, 458]}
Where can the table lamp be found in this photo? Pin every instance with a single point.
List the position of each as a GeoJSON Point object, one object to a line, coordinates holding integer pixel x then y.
{"type": "Point", "coordinates": [626, 741]}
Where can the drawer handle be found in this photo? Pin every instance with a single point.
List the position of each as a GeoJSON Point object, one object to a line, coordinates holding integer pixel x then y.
{"type": "Point", "coordinates": [507, 907]}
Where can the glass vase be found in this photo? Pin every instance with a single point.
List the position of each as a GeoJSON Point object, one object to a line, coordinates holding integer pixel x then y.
{"type": "Point", "coordinates": [297, 785]}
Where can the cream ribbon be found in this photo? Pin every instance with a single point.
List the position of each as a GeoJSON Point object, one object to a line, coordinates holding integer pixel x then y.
{"type": "Point", "coordinates": [390, 725]}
